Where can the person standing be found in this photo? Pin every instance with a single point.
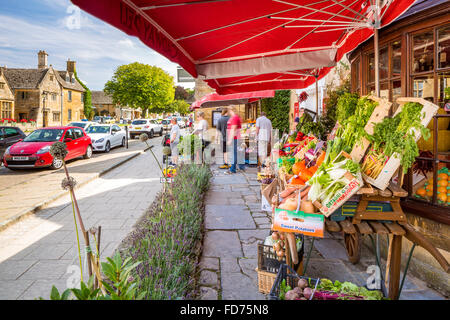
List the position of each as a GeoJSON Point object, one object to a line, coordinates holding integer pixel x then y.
{"type": "Point", "coordinates": [174, 140]}
{"type": "Point", "coordinates": [222, 132]}
{"type": "Point", "coordinates": [200, 130]}
{"type": "Point", "coordinates": [233, 129]}
{"type": "Point", "coordinates": [264, 134]}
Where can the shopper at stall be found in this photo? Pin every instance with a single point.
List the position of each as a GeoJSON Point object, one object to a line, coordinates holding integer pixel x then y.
{"type": "Point", "coordinates": [201, 129]}
{"type": "Point", "coordinates": [233, 137]}
{"type": "Point", "coordinates": [174, 140]}
{"type": "Point", "coordinates": [222, 133]}
{"type": "Point", "coordinates": [264, 134]}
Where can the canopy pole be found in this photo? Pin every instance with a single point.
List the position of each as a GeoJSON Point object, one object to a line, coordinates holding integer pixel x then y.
{"type": "Point", "coordinates": [377, 50]}
{"type": "Point", "coordinates": [317, 97]}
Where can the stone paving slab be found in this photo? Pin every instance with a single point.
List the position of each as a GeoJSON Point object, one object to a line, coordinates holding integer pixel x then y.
{"type": "Point", "coordinates": [222, 244]}
{"type": "Point", "coordinates": [230, 217]}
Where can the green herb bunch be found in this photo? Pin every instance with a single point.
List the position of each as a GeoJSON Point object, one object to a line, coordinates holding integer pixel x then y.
{"type": "Point", "coordinates": [395, 135]}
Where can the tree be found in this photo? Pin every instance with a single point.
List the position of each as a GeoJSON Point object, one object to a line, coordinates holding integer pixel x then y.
{"type": "Point", "coordinates": [180, 106]}
{"type": "Point", "coordinates": [141, 86]}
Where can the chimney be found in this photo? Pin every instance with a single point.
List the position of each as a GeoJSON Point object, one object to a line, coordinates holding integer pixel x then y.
{"type": "Point", "coordinates": [42, 60]}
{"type": "Point", "coordinates": [71, 66]}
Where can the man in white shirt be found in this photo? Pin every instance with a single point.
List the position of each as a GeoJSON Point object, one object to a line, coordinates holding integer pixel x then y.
{"type": "Point", "coordinates": [264, 134]}
{"type": "Point", "coordinates": [174, 139]}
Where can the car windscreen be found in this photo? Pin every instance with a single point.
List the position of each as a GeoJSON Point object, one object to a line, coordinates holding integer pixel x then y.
{"type": "Point", "coordinates": [165, 122]}
{"type": "Point", "coordinates": [78, 124]}
{"type": "Point", "coordinates": [98, 129]}
{"type": "Point", "coordinates": [44, 135]}
{"type": "Point", "coordinates": [137, 122]}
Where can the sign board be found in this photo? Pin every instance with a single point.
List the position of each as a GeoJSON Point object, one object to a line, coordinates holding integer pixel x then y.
{"type": "Point", "coordinates": [215, 118]}
{"type": "Point", "coordinates": [184, 76]}
{"type": "Point", "coordinates": [310, 224]}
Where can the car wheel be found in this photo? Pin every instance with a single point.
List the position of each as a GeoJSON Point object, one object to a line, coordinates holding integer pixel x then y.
{"type": "Point", "coordinates": [88, 153]}
{"type": "Point", "coordinates": [123, 142]}
{"type": "Point", "coordinates": [107, 147]}
{"type": "Point", "coordinates": [56, 164]}
{"type": "Point", "coordinates": [161, 132]}
{"type": "Point", "coordinates": [151, 134]}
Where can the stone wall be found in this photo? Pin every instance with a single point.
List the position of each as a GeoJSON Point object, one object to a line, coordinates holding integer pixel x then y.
{"type": "Point", "coordinates": [76, 106]}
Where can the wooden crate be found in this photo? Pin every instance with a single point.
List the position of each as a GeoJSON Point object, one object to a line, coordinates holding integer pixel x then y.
{"type": "Point", "coordinates": [381, 111]}
{"type": "Point", "coordinates": [393, 163]}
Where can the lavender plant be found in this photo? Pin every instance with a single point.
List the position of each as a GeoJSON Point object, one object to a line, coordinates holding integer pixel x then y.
{"type": "Point", "coordinates": [165, 242]}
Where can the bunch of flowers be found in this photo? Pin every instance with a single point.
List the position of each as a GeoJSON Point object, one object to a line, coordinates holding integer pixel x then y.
{"type": "Point", "coordinates": [23, 120]}
{"type": "Point", "coordinates": [7, 120]}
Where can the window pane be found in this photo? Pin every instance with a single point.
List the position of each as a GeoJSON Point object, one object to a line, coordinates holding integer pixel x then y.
{"type": "Point", "coordinates": [396, 93]}
{"type": "Point", "coordinates": [423, 48]}
{"type": "Point", "coordinates": [384, 63]}
{"type": "Point", "coordinates": [444, 88]}
{"type": "Point", "coordinates": [444, 47]}
{"type": "Point", "coordinates": [384, 90]}
{"type": "Point", "coordinates": [371, 59]}
{"type": "Point", "coordinates": [423, 87]}
{"type": "Point", "coordinates": [396, 59]}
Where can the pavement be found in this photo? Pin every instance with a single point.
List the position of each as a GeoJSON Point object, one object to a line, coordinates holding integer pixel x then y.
{"type": "Point", "coordinates": [234, 226]}
{"type": "Point", "coordinates": [40, 250]}
{"type": "Point", "coordinates": [23, 192]}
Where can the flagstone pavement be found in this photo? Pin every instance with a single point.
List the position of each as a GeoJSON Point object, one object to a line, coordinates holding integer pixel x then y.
{"type": "Point", "coordinates": [234, 226]}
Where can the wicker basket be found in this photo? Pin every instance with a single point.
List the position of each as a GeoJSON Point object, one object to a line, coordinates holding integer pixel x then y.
{"type": "Point", "coordinates": [269, 265]}
{"type": "Point", "coordinates": [291, 277]}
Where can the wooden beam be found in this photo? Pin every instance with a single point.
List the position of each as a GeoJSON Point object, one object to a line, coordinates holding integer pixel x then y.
{"type": "Point", "coordinates": [394, 265]}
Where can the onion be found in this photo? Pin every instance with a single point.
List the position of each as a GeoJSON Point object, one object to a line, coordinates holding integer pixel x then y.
{"type": "Point", "coordinates": [291, 295]}
{"type": "Point", "coordinates": [302, 283]}
{"type": "Point", "coordinates": [282, 236]}
{"type": "Point", "coordinates": [307, 292]}
{"type": "Point", "coordinates": [275, 236]}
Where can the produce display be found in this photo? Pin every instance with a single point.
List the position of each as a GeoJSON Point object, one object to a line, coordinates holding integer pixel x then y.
{"type": "Point", "coordinates": [302, 291]}
{"type": "Point", "coordinates": [327, 290]}
{"type": "Point", "coordinates": [443, 188]}
{"type": "Point", "coordinates": [395, 136]}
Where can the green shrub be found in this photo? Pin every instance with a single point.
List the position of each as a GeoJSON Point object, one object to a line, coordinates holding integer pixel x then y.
{"type": "Point", "coordinates": [277, 110]}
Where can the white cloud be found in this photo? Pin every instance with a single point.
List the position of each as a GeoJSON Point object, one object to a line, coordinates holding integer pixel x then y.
{"type": "Point", "coordinates": [97, 47]}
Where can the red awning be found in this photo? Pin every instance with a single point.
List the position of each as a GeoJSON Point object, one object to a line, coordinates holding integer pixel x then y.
{"type": "Point", "coordinates": [215, 99]}
{"type": "Point", "coordinates": [226, 39]}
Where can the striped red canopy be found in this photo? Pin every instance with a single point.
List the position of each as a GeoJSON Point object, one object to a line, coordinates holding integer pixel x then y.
{"type": "Point", "coordinates": [223, 41]}
{"type": "Point", "coordinates": [214, 99]}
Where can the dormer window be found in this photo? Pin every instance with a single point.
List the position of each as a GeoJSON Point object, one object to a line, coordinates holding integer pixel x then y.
{"type": "Point", "coordinates": [73, 79]}
{"type": "Point", "coordinates": [2, 85]}
{"type": "Point", "coordinates": [51, 78]}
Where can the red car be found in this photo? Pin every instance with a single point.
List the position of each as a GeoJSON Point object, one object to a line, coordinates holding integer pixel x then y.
{"type": "Point", "coordinates": [33, 151]}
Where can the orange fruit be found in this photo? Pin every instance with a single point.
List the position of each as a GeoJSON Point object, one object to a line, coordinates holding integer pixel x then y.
{"type": "Point", "coordinates": [429, 187]}
{"type": "Point", "coordinates": [442, 190]}
{"type": "Point", "coordinates": [421, 192]}
{"type": "Point", "coordinates": [443, 176]}
{"type": "Point", "coordinates": [430, 193]}
{"type": "Point", "coordinates": [442, 197]}
{"type": "Point", "coordinates": [442, 183]}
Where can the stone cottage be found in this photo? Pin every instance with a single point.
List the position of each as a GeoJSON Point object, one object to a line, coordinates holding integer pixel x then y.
{"type": "Point", "coordinates": [6, 98]}
{"type": "Point", "coordinates": [104, 106]}
{"type": "Point", "coordinates": [49, 96]}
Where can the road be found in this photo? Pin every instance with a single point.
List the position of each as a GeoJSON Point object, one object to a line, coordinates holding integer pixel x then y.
{"type": "Point", "coordinates": [22, 191]}
{"type": "Point", "coordinates": [40, 250]}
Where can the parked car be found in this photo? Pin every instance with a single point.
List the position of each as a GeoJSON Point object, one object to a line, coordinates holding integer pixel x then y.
{"type": "Point", "coordinates": [139, 126]}
{"type": "Point", "coordinates": [181, 123]}
{"type": "Point", "coordinates": [166, 125]}
{"type": "Point", "coordinates": [9, 136]}
{"type": "Point", "coordinates": [106, 136]}
{"type": "Point", "coordinates": [34, 150]}
{"type": "Point", "coordinates": [82, 124]}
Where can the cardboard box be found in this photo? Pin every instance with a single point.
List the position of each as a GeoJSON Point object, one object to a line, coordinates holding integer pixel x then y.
{"type": "Point", "coordinates": [393, 163]}
{"type": "Point", "coordinates": [381, 111]}
{"type": "Point", "coordinates": [310, 224]}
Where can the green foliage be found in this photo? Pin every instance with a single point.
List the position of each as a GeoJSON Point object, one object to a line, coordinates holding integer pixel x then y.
{"type": "Point", "coordinates": [168, 238]}
{"type": "Point", "coordinates": [141, 86]}
{"type": "Point", "coordinates": [180, 106]}
{"type": "Point", "coordinates": [88, 111]}
{"type": "Point", "coordinates": [119, 285]}
{"type": "Point", "coordinates": [394, 135]}
{"type": "Point", "coordinates": [346, 106]}
{"type": "Point", "coordinates": [189, 143]}
{"type": "Point", "coordinates": [277, 110]}
{"type": "Point", "coordinates": [283, 289]}
{"type": "Point", "coordinates": [348, 288]}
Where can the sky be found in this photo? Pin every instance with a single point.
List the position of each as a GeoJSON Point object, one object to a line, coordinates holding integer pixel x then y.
{"type": "Point", "coordinates": [65, 32]}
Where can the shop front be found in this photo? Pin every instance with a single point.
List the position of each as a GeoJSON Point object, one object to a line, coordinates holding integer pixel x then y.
{"type": "Point", "coordinates": [415, 62]}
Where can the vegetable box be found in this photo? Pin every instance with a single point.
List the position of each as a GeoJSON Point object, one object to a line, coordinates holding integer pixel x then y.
{"type": "Point", "coordinates": [381, 180]}
{"type": "Point", "coordinates": [381, 111]}
{"type": "Point", "coordinates": [287, 276]}
{"type": "Point", "coordinates": [338, 197]}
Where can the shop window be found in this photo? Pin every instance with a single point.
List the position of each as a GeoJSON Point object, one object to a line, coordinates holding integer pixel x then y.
{"type": "Point", "coordinates": [423, 52]}
{"type": "Point", "coordinates": [7, 110]}
{"type": "Point", "coordinates": [444, 90]}
{"type": "Point", "coordinates": [423, 87]}
{"type": "Point", "coordinates": [396, 59]}
{"type": "Point", "coordinates": [444, 47]}
{"type": "Point", "coordinates": [384, 90]}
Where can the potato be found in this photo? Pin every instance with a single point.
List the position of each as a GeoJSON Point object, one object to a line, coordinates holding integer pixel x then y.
{"type": "Point", "coordinates": [302, 283]}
